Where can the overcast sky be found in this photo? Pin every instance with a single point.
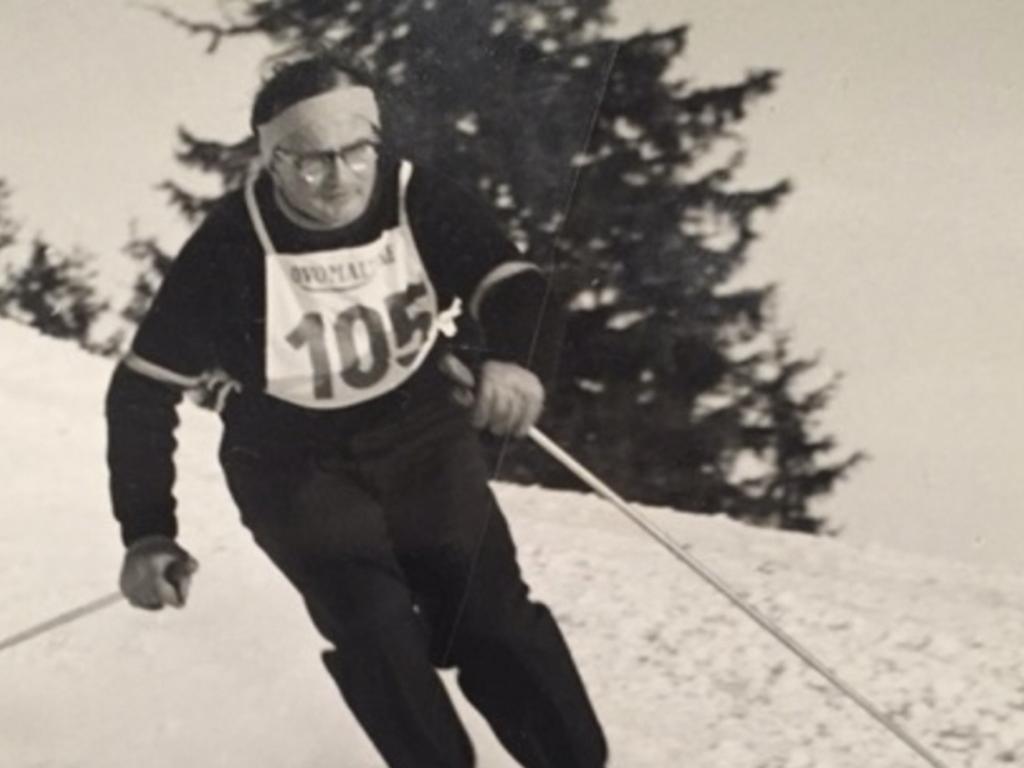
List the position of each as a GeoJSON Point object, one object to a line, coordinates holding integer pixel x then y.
{"type": "Point", "coordinates": [899, 254]}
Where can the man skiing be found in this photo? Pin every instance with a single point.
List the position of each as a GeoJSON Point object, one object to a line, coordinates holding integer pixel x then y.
{"type": "Point", "coordinates": [307, 305]}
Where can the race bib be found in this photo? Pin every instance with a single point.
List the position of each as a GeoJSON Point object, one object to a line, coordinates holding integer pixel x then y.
{"type": "Point", "coordinates": [349, 325]}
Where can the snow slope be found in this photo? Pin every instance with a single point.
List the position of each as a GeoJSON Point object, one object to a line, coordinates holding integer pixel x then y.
{"type": "Point", "coordinates": [679, 676]}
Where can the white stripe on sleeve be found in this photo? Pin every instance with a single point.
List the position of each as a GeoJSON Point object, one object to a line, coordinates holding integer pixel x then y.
{"type": "Point", "coordinates": [159, 373]}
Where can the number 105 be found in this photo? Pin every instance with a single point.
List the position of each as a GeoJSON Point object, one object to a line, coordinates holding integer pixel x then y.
{"type": "Point", "coordinates": [411, 326]}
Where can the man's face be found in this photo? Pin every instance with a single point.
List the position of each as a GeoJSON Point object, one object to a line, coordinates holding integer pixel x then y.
{"type": "Point", "coordinates": [326, 169]}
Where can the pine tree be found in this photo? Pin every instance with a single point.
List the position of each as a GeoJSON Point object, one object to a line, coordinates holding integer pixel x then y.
{"type": "Point", "coordinates": [50, 290]}
{"type": "Point", "coordinates": [618, 178]}
{"type": "Point", "coordinates": [787, 455]}
{"type": "Point", "coordinates": [54, 293]}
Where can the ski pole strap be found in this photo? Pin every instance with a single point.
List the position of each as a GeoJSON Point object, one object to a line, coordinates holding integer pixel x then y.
{"type": "Point", "coordinates": [663, 538]}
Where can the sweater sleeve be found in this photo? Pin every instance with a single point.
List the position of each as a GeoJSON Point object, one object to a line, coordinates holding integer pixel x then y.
{"type": "Point", "coordinates": [523, 320]}
{"type": "Point", "coordinates": [176, 333]}
{"type": "Point", "coordinates": [170, 351]}
{"type": "Point", "coordinates": [504, 292]}
{"type": "Point", "coordinates": [141, 418]}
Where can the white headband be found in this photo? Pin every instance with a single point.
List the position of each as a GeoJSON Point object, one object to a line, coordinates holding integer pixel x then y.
{"type": "Point", "coordinates": [355, 100]}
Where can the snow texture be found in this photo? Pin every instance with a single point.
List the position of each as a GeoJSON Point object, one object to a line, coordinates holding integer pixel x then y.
{"type": "Point", "coordinates": [679, 676]}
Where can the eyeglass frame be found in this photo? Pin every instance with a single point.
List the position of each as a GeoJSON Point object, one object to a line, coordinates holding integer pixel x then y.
{"type": "Point", "coordinates": [328, 157]}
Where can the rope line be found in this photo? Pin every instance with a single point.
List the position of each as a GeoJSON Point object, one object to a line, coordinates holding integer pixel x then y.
{"type": "Point", "coordinates": [570, 193]}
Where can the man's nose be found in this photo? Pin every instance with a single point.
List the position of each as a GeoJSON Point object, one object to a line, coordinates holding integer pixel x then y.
{"type": "Point", "coordinates": [340, 169]}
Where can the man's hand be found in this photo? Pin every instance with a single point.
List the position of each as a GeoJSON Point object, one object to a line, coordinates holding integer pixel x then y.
{"type": "Point", "coordinates": [157, 572]}
{"type": "Point", "coordinates": [507, 400]}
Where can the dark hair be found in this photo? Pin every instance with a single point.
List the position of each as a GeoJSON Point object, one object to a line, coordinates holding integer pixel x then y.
{"type": "Point", "coordinates": [293, 81]}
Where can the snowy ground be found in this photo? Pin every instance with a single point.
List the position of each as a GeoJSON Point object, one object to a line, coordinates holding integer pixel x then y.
{"type": "Point", "coordinates": [679, 676]}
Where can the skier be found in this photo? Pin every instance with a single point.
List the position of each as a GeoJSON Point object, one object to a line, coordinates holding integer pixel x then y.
{"type": "Point", "coordinates": [308, 307]}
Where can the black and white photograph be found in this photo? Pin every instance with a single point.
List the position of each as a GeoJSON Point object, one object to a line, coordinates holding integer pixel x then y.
{"type": "Point", "coordinates": [497, 384]}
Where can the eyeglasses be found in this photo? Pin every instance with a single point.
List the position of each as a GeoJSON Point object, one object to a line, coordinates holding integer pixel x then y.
{"type": "Point", "coordinates": [314, 167]}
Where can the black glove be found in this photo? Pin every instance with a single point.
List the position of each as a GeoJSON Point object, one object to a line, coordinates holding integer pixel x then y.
{"type": "Point", "coordinates": [157, 572]}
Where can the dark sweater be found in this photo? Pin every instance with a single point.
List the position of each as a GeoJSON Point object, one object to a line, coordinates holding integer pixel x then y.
{"type": "Point", "coordinates": [209, 314]}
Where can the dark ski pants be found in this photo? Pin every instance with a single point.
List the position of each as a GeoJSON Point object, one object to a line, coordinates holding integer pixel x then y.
{"type": "Point", "coordinates": [406, 564]}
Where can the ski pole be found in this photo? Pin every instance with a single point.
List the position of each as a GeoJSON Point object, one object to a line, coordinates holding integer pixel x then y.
{"type": "Point", "coordinates": [663, 538]}
{"type": "Point", "coordinates": [174, 573]}
{"type": "Point", "coordinates": [60, 620]}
